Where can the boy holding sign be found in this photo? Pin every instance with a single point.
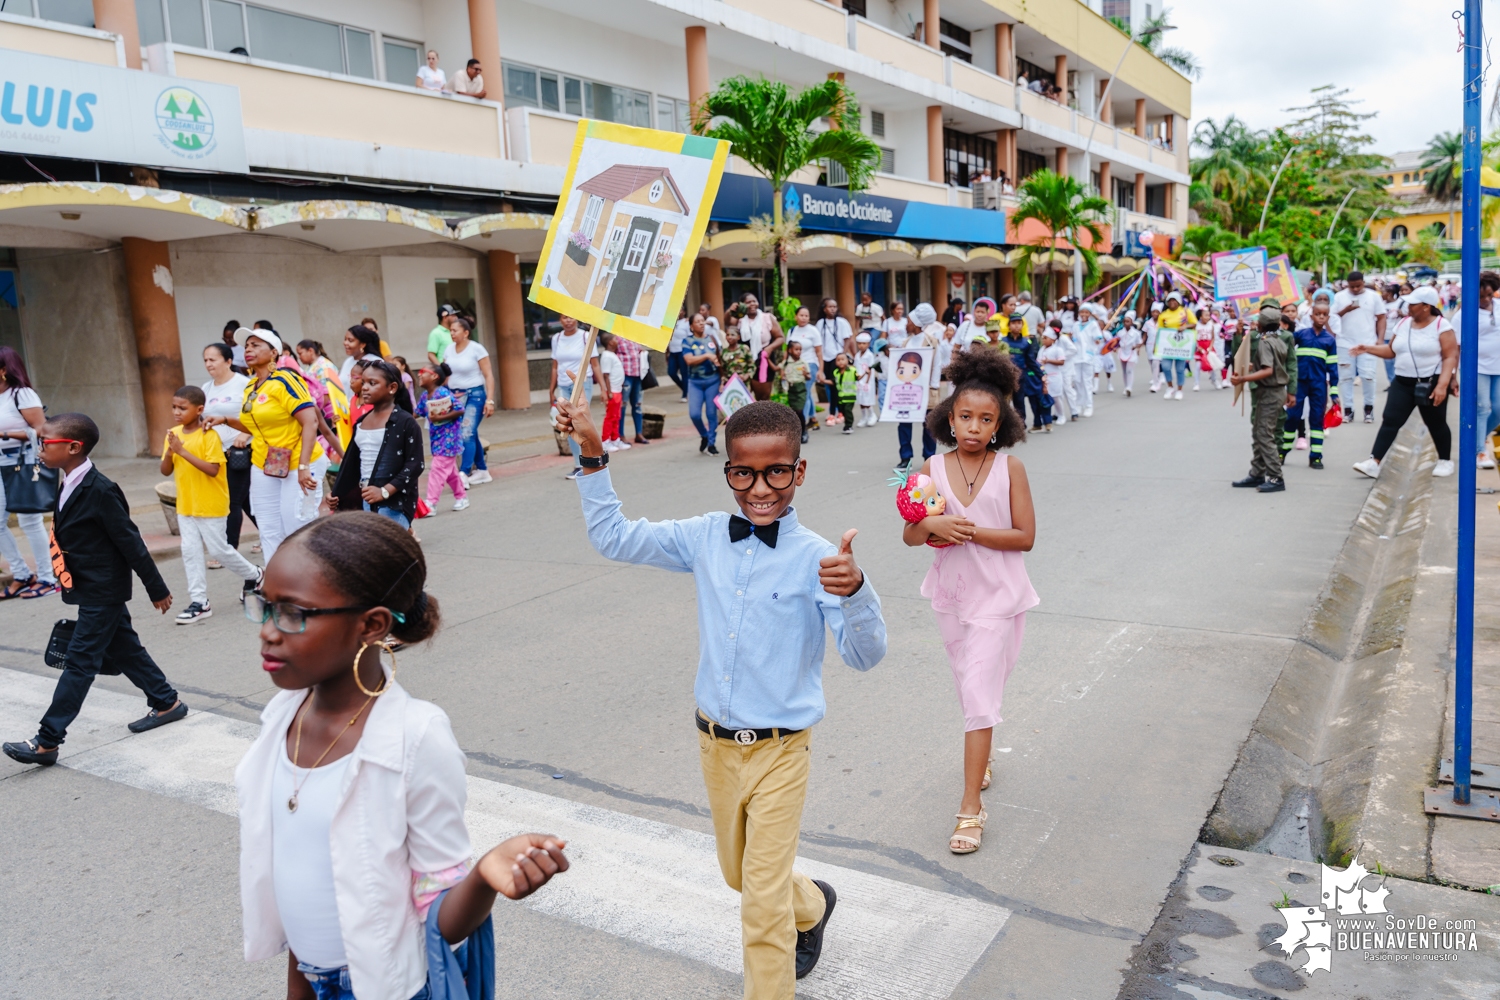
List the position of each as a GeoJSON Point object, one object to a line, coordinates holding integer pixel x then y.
{"type": "Point", "coordinates": [759, 574]}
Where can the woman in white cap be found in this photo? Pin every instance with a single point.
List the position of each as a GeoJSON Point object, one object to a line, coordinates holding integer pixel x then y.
{"type": "Point", "coordinates": [286, 463]}
{"type": "Point", "coordinates": [1425, 349]}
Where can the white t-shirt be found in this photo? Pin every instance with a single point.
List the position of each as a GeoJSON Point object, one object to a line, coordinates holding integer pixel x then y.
{"type": "Point", "coordinates": [810, 339]}
{"type": "Point", "coordinates": [870, 316]}
{"type": "Point", "coordinates": [465, 364]}
{"type": "Point", "coordinates": [370, 442]}
{"type": "Point", "coordinates": [611, 367]}
{"type": "Point", "coordinates": [1130, 342]}
{"type": "Point", "coordinates": [303, 871]}
{"type": "Point", "coordinates": [432, 79]}
{"type": "Point", "coordinates": [225, 401]}
{"type": "Point", "coordinates": [1089, 338]}
{"type": "Point", "coordinates": [1418, 353]}
{"type": "Point", "coordinates": [12, 402]}
{"type": "Point", "coordinates": [1050, 356]}
{"type": "Point", "coordinates": [568, 353]}
{"type": "Point", "coordinates": [1358, 325]}
{"type": "Point", "coordinates": [835, 332]}
{"type": "Point", "coordinates": [674, 346]}
{"type": "Point", "coordinates": [895, 330]}
{"type": "Point", "coordinates": [1489, 339]}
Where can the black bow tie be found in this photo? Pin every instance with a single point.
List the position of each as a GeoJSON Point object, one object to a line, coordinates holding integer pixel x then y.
{"type": "Point", "coordinates": [741, 529]}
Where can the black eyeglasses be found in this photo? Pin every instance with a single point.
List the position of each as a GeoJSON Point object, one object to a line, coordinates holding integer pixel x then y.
{"type": "Point", "coordinates": [742, 477]}
{"type": "Point", "coordinates": [289, 618]}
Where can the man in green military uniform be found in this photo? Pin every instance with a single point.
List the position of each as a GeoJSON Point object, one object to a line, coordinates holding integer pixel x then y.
{"type": "Point", "coordinates": [1271, 372]}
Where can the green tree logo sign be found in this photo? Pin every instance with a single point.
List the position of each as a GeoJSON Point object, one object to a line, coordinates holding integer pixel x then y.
{"type": "Point", "coordinates": [185, 120]}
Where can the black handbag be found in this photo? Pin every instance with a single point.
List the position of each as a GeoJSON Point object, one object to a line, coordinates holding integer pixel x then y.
{"type": "Point", "coordinates": [56, 654]}
{"type": "Point", "coordinates": [648, 380]}
{"type": "Point", "coordinates": [30, 487]}
{"type": "Point", "coordinates": [237, 458]}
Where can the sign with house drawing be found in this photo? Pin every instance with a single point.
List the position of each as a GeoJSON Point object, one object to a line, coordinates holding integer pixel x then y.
{"type": "Point", "coordinates": [620, 250]}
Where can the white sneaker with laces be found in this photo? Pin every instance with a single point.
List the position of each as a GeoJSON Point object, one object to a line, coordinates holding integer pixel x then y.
{"type": "Point", "coordinates": [1443, 468]}
{"type": "Point", "coordinates": [1368, 467]}
{"type": "Point", "coordinates": [611, 446]}
{"type": "Point", "coordinates": [461, 504]}
{"type": "Point", "coordinates": [1486, 462]}
{"type": "Point", "coordinates": [620, 445]}
{"type": "Point", "coordinates": [481, 476]}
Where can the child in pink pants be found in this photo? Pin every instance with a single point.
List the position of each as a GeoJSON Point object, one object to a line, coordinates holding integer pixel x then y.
{"type": "Point", "coordinates": [443, 427]}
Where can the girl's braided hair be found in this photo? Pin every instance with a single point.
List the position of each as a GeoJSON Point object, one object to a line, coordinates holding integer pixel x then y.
{"type": "Point", "coordinates": [990, 372]}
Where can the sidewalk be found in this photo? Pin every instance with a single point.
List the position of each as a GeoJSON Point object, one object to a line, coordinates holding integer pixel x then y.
{"type": "Point", "coordinates": [518, 441]}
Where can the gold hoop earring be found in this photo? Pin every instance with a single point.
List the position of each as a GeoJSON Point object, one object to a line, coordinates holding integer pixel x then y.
{"type": "Point", "coordinates": [385, 686]}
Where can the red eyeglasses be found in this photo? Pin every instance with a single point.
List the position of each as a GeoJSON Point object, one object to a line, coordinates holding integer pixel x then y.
{"type": "Point", "coordinates": [61, 441]}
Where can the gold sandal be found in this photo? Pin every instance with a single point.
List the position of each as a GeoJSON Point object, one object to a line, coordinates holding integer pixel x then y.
{"type": "Point", "coordinates": [968, 823]}
{"type": "Point", "coordinates": [985, 784]}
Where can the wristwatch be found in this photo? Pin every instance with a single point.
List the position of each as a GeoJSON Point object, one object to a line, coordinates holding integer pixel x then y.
{"type": "Point", "coordinates": [385, 491]}
{"type": "Point", "coordinates": [593, 463]}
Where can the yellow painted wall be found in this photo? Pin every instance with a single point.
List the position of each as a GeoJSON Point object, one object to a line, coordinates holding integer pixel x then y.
{"type": "Point", "coordinates": [1380, 229]}
{"type": "Point", "coordinates": [63, 44]}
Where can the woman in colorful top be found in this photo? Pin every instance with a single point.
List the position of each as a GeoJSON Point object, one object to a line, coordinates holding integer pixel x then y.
{"type": "Point", "coordinates": [354, 855]}
{"type": "Point", "coordinates": [447, 440]}
{"type": "Point", "coordinates": [701, 355]}
{"type": "Point", "coordinates": [286, 463]}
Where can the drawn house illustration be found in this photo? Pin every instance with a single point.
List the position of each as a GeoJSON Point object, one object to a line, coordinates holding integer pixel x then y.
{"type": "Point", "coordinates": [619, 243]}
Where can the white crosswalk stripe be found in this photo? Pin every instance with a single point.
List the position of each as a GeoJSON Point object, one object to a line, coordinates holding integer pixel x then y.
{"type": "Point", "coordinates": [638, 879]}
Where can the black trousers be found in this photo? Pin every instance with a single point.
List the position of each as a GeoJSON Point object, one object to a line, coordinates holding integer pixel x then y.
{"type": "Point", "coordinates": [239, 505]}
{"type": "Point", "coordinates": [1400, 400]}
{"type": "Point", "coordinates": [1040, 417]}
{"type": "Point", "coordinates": [103, 642]}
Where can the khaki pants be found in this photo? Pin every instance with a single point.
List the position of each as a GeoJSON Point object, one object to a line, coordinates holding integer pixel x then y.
{"type": "Point", "coordinates": [756, 794]}
{"type": "Point", "coordinates": [1267, 414]}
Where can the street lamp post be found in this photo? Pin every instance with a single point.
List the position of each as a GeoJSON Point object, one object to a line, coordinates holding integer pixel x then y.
{"type": "Point", "coordinates": [1088, 173]}
{"type": "Point", "coordinates": [1284, 161]}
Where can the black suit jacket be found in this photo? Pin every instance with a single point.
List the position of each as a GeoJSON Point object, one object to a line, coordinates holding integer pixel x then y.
{"type": "Point", "coordinates": [101, 545]}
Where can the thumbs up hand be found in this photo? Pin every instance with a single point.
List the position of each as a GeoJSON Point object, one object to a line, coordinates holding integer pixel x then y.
{"type": "Point", "coordinates": [838, 573]}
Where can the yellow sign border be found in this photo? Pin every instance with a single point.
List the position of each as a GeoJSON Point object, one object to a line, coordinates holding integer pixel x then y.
{"type": "Point", "coordinates": [645, 138]}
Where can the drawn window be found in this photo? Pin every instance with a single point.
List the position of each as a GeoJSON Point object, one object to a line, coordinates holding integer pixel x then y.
{"type": "Point", "coordinates": [636, 255]}
{"type": "Point", "coordinates": [663, 245]}
{"type": "Point", "coordinates": [654, 195]}
{"type": "Point", "coordinates": [591, 215]}
{"type": "Point", "coordinates": [616, 239]}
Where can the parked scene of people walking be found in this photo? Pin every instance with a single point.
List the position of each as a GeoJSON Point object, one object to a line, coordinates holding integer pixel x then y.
{"type": "Point", "coordinates": [858, 500]}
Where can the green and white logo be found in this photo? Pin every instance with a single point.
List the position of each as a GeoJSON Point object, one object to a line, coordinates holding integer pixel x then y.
{"type": "Point", "coordinates": [185, 120]}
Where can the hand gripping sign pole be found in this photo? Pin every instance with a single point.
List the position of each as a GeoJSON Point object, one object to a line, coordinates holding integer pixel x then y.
{"type": "Point", "coordinates": [1465, 801]}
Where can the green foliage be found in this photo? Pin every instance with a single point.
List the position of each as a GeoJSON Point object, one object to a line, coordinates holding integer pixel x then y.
{"type": "Point", "coordinates": [1150, 39]}
{"type": "Point", "coordinates": [1066, 209]}
{"type": "Point", "coordinates": [1424, 248]}
{"type": "Point", "coordinates": [1444, 156]}
{"type": "Point", "coordinates": [1209, 238]}
{"type": "Point", "coordinates": [786, 311]}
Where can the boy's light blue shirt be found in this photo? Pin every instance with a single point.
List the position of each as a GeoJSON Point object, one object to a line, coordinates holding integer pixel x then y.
{"type": "Point", "coordinates": [761, 611]}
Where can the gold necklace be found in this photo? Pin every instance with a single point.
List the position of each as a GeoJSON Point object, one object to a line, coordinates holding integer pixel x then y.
{"type": "Point", "coordinates": [291, 803]}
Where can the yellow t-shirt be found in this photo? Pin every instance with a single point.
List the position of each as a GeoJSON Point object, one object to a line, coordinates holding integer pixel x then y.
{"type": "Point", "coordinates": [268, 414]}
{"type": "Point", "coordinates": [1175, 319]}
{"type": "Point", "coordinates": [198, 493]}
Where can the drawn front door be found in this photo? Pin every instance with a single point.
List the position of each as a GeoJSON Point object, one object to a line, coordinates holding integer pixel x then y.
{"type": "Point", "coordinates": [627, 284]}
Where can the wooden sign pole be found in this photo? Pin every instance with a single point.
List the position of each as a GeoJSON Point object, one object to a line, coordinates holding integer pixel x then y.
{"type": "Point", "coordinates": [583, 366]}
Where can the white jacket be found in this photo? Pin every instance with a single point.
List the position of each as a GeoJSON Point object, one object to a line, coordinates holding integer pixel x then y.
{"type": "Point", "coordinates": [400, 813]}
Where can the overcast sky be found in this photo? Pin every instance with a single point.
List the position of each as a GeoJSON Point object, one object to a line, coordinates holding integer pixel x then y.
{"type": "Point", "coordinates": [1398, 57]}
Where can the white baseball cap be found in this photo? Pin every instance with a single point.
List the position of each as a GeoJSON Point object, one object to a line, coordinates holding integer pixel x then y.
{"type": "Point", "coordinates": [1424, 293]}
{"type": "Point", "coordinates": [863, 338]}
{"type": "Point", "coordinates": [1174, 295]}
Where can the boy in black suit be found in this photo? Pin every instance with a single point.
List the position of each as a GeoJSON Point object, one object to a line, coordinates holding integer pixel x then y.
{"type": "Point", "coordinates": [95, 546]}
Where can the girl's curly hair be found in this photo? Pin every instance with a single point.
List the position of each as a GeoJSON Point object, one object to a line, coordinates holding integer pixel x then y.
{"type": "Point", "coordinates": [990, 372]}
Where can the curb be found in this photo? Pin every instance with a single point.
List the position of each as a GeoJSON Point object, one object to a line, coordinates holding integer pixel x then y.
{"type": "Point", "coordinates": [1302, 784]}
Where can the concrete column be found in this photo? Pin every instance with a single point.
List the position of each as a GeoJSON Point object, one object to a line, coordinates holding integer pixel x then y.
{"type": "Point", "coordinates": [1005, 51]}
{"type": "Point", "coordinates": [1140, 193]}
{"type": "Point", "coordinates": [1140, 117]}
{"type": "Point", "coordinates": [118, 16]}
{"type": "Point", "coordinates": [1060, 75]}
{"type": "Point", "coordinates": [1105, 190]}
{"type": "Point", "coordinates": [711, 286]}
{"type": "Point", "coordinates": [153, 314]}
{"type": "Point", "coordinates": [1168, 209]}
{"type": "Point", "coordinates": [937, 276]}
{"type": "Point", "coordinates": [697, 68]}
{"type": "Point", "coordinates": [935, 143]}
{"type": "Point", "coordinates": [484, 42]}
{"type": "Point", "coordinates": [512, 376]}
{"type": "Point", "coordinates": [1170, 119]}
{"type": "Point", "coordinates": [843, 290]}
{"type": "Point", "coordinates": [931, 27]}
{"type": "Point", "coordinates": [1104, 113]}
{"type": "Point", "coordinates": [1007, 281]}
{"type": "Point", "coordinates": [1006, 141]}
{"type": "Point", "coordinates": [1062, 161]}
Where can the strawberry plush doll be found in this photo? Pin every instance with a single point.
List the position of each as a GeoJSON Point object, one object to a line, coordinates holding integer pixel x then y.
{"type": "Point", "coordinates": [918, 498]}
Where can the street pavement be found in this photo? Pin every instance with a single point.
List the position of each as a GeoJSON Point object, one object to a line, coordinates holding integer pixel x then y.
{"type": "Point", "coordinates": [1169, 603]}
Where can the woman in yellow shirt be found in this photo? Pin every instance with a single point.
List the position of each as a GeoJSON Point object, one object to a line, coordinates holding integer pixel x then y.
{"type": "Point", "coordinates": [286, 463]}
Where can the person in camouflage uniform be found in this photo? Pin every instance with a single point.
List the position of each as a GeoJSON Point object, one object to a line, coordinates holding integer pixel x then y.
{"type": "Point", "coordinates": [1272, 376]}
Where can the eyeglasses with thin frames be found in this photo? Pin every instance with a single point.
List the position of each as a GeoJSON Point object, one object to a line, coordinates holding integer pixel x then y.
{"type": "Point", "coordinates": [289, 618]}
{"type": "Point", "coordinates": [741, 478]}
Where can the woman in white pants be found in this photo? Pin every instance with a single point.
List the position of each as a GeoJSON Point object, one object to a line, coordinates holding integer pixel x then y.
{"type": "Point", "coordinates": [286, 462]}
{"type": "Point", "coordinates": [1129, 350]}
{"type": "Point", "coordinates": [21, 418]}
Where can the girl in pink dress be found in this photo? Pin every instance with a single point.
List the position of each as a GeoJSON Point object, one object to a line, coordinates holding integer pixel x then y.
{"type": "Point", "coordinates": [978, 585]}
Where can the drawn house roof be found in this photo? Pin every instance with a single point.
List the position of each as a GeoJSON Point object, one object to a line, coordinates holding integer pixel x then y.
{"type": "Point", "coordinates": [623, 179]}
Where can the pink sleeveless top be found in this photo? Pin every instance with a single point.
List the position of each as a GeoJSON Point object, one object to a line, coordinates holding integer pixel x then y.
{"type": "Point", "coordinates": [971, 581]}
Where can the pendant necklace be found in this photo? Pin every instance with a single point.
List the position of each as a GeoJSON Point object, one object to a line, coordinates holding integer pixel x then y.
{"type": "Point", "coordinates": [291, 803]}
{"type": "Point", "coordinates": [969, 483]}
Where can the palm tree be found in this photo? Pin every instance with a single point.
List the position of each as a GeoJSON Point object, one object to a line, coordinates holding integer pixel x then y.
{"type": "Point", "coordinates": [772, 130]}
{"type": "Point", "coordinates": [1150, 36]}
{"type": "Point", "coordinates": [1225, 177]}
{"type": "Point", "coordinates": [1444, 159]}
{"type": "Point", "coordinates": [1066, 209]}
{"type": "Point", "coordinates": [1209, 238]}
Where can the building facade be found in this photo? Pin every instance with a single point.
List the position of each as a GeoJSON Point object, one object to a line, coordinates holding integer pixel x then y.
{"type": "Point", "coordinates": [169, 165]}
{"type": "Point", "coordinates": [1416, 210]}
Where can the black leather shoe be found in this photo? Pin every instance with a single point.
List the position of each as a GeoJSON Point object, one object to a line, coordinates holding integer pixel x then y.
{"type": "Point", "coordinates": [810, 943]}
{"type": "Point", "coordinates": [31, 752]}
{"type": "Point", "coordinates": [1271, 486]}
{"type": "Point", "coordinates": [1315, 463]}
{"type": "Point", "coordinates": [1249, 482]}
{"type": "Point", "coordinates": [153, 718]}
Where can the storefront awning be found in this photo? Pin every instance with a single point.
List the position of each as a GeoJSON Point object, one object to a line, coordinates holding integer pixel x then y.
{"type": "Point", "coordinates": [74, 214]}
{"type": "Point", "coordinates": [351, 225]}
{"type": "Point", "coordinates": [517, 232]}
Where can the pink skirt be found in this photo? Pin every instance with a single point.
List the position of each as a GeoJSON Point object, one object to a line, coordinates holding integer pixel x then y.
{"type": "Point", "coordinates": [982, 655]}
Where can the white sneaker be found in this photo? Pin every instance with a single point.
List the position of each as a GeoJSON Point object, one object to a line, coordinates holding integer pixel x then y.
{"type": "Point", "coordinates": [461, 504]}
{"type": "Point", "coordinates": [1486, 462]}
{"type": "Point", "coordinates": [1443, 468]}
{"type": "Point", "coordinates": [1369, 467]}
{"type": "Point", "coordinates": [1089, 412]}
{"type": "Point", "coordinates": [1111, 387]}
{"type": "Point", "coordinates": [620, 445]}
{"type": "Point", "coordinates": [1196, 387]}
{"type": "Point", "coordinates": [611, 446]}
{"type": "Point", "coordinates": [480, 476]}
{"type": "Point", "coordinates": [465, 480]}
{"type": "Point", "coordinates": [1179, 393]}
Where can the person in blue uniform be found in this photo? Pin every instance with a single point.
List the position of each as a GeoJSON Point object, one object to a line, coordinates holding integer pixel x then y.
{"type": "Point", "coordinates": [1317, 379]}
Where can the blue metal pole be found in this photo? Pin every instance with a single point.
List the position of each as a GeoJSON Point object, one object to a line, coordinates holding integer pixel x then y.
{"type": "Point", "coordinates": [1463, 667]}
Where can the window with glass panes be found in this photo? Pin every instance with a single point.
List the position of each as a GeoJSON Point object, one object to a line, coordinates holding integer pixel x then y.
{"type": "Point", "coordinates": [1028, 163]}
{"type": "Point", "coordinates": [539, 88]}
{"type": "Point", "coordinates": [966, 156]}
{"type": "Point", "coordinates": [273, 35]}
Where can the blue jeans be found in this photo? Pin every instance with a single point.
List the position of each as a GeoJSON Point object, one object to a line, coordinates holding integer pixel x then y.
{"type": "Point", "coordinates": [333, 984]}
{"type": "Point", "coordinates": [390, 514]}
{"type": "Point", "coordinates": [903, 438]}
{"type": "Point", "coordinates": [631, 397]}
{"type": "Point", "coordinates": [701, 393]}
{"type": "Point", "coordinates": [1488, 399]}
{"type": "Point", "coordinates": [677, 371]}
{"type": "Point", "coordinates": [565, 393]}
{"type": "Point", "coordinates": [473, 458]}
{"type": "Point", "coordinates": [1174, 371]}
{"type": "Point", "coordinates": [1390, 370]}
